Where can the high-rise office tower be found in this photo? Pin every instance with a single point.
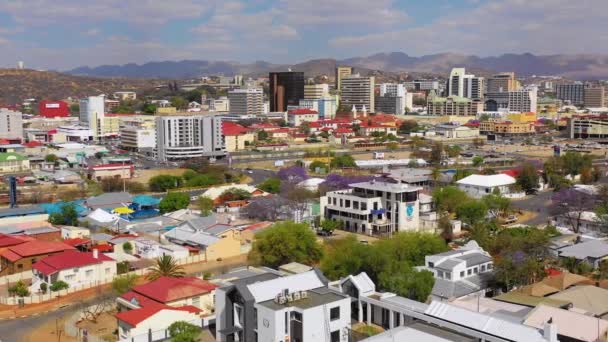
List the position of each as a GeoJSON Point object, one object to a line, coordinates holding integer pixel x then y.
{"type": "Point", "coordinates": [246, 101]}
{"type": "Point", "coordinates": [341, 72]}
{"type": "Point", "coordinates": [464, 85]}
{"type": "Point", "coordinates": [286, 89]}
{"type": "Point", "coordinates": [316, 91]}
{"type": "Point", "coordinates": [574, 93]}
{"type": "Point", "coordinates": [92, 113]}
{"type": "Point", "coordinates": [180, 137]}
{"type": "Point", "coordinates": [505, 81]}
{"type": "Point", "coordinates": [358, 91]}
{"type": "Point", "coordinates": [595, 97]}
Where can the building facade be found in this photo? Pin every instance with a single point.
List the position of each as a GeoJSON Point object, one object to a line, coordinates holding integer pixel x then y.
{"type": "Point", "coordinates": [180, 137]}
{"type": "Point", "coordinates": [453, 105]}
{"type": "Point", "coordinates": [588, 127]}
{"type": "Point", "coordinates": [464, 85]}
{"type": "Point", "coordinates": [53, 109]}
{"type": "Point", "coordinates": [92, 114]}
{"type": "Point", "coordinates": [595, 97]}
{"type": "Point", "coordinates": [573, 93]}
{"type": "Point", "coordinates": [374, 207]}
{"type": "Point", "coordinates": [11, 124]}
{"type": "Point", "coordinates": [422, 85]}
{"type": "Point", "coordinates": [246, 101]}
{"type": "Point", "coordinates": [521, 100]}
{"type": "Point", "coordinates": [326, 107]}
{"type": "Point", "coordinates": [502, 82]}
{"type": "Point", "coordinates": [316, 91]}
{"type": "Point", "coordinates": [138, 133]}
{"type": "Point", "coordinates": [286, 89]}
{"type": "Point", "coordinates": [341, 72]}
{"type": "Point", "coordinates": [358, 91]}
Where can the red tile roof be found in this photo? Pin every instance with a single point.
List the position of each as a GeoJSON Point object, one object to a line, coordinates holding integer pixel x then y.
{"type": "Point", "coordinates": [232, 128]}
{"type": "Point", "coordinates": [109, 166]}
{"type": "Point", "coordinates": [13, 240]}
{"type": "Point", "coordinates": [67, 260]}
{"type": "Point", "coordinates": [33, 143]}
{"type": "Point", "coordinates": [36, 247]}
{"type": "Point", "coordinates": [134, 317]}
{"type": "Point", "coordinates": [141, 300]}
{"type": "Point", "coordinates": [166, 289]}
{"type": "Point", "coordinates": [76, 241]}
{"type": "Point", "coordinates": [344, 130]}
{"type": "Point", "coordinates": [513, 173]}
{"type": "Point", "coordinates": [302, 111]}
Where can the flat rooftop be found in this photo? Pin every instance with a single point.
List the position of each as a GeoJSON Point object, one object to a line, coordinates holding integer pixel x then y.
{"type": "Point", "coordinates": [385, 186]}
{"type": "Point", "coordinates": [316, 297]}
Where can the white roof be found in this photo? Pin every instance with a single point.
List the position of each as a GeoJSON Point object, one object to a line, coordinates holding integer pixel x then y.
{"type": "Point", "coordinates": [101, 215]}
{"type": "Point", "coordinates": [487, 180]}
{"type": "Point", "coordinates": [405, 333]}
{"type": "Point", "coordinates": [569, 323]}
{"type": "Point", "coordinates": [363, 283]}
{"type": "Point", "coordinates": [266, 290]}
{"type": "Point", "coordinates": [311, 182]}
{"type": "Point", "coordinates": [484, 323]}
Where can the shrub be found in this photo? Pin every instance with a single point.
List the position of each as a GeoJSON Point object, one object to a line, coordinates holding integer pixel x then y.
{"type": "Point", "coordinates": [59, 285]}
{"type": "Point", "coordinates": [19, 289]}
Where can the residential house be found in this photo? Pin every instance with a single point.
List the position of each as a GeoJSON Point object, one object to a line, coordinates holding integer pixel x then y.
{"type": "Point", "coordinates": [75, 268]}
{"type": "Point", "coordinates": [571, 325]}
{"type": "Point", "coordinates": [150, 249]}
{"type": "Point", "coordinates": [478, 186]}
{"type": "Point", "coordinates": [174, 292]}
{"type": "Point", "coordinates": [216, 192]}
{"type": "Point", "coordinates": [590, 251]}
{"type": "Point", "coordinates": [586, 299]}
{"type": "Point", "coordinates": [20, 258]}
{"type": "Point", "coordinates": [109, 200]}
{"type": "Point", "coordinates": [236, 137]}
{"type": "Point", "coordinates": [24, 214]}
{"type": "Point", "coordinates": [460, 272]}
{"type": "Point", "coordinates": [7, 241]}
{"type": "Point", "coordinates": [121, 171]}
{"type": "Point", "coordinates": [215, 241]}
{"type": "Point", "coordinates": [11, 162]}
{"type": "Point", "coordinates": [150, 323]}
{"type": "Point", "coordinates": [71, 232]}
{"type": "Point", "coordinates": [269, 307]}
{"type": "Point", "coordinates": [587, 222]}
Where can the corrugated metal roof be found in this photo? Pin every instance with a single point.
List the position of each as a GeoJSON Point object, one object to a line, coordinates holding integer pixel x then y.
{"type": "Point", "coordinates": [267, 290]}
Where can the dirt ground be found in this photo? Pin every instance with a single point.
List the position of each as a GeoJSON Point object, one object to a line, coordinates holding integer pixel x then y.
{"type": "Point", "coordinates": [145, 175]}
{"type": "Point", "coordinates": [49, 331]}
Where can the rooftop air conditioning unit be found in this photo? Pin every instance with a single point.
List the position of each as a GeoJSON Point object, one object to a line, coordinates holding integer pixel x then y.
{"type": "Point", "coordinates": [296, 296]}
{"type": "Point", "coordinates": [290, 298]}
{"type": "Point", "coordinates": [282, 300]}
{"type": "Point", "coordinates": [303, 294]}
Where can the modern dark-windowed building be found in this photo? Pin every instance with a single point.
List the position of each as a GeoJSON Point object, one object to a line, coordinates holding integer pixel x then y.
{"type": "Point", "coordinates": [286, 89]}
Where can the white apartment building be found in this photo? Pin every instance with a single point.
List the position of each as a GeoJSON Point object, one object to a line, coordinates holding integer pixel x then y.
{"type": "Point", "coordinates": [270, 307]}
{"type": "Point", "coordinates": [221, 104]}
{"type": "Point", "coordinates": [464, 85]}
{"type": "Point", "coordinates": [246, 101]}
{"type": "Point", "coordinates": [523, 100]}
{"type": "Point", "coordinates": [180, 137]}
{"type": "Point", "coordinates": [358, 91]}
{"type": "Point", "coordinates": [297, 117]}
{"type": "Point", "coordinates": [11, 124]}
{"type": "Point", "coordinates": [138, 133]}
{"type": "Point", "coordinates": [374, 207]}
{"type": "Point", "coordinates": [460, 272]}
{"type": "Point", "coordinates": [392, 89]}
{"type": "Point", "coordinates": [326, 107]}
{"type": "Point", "coordinates": [92, 114]}
{"type": "Point", "coordinates": [316, 91]}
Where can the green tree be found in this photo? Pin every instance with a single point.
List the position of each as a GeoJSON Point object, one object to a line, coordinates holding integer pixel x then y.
{"type": "Point", "coordinates": [436, 153]}
{"type": "Point", "coordinates": [163, 183]}
{"type": "Point", "coordinates": [59, 285]}
{"type": "Point", "coordinates": [449, 198]}
{"type": "Point", "coordinates": [51, 158]}
{"type": "Point", "coordinates": [19, 289]}
{"type": "Point", "coordinates": [497, 205]}
{"type": "Point", "coordinates": [477, 161]}
{"type": "Point", "coordinates": [123, 267]}
{"type": "Point", "coordinates": [408, 126]}
{"type": "Point", "coordinates": [179, 102]}
{"type": "Point", "coordinates": [165, 266]}
{"type": "Point", "coordinates": [271, 185]}
{"type": "Point", "coordinates": [400, 278]}
{"type": "Point", "coordinates": [472, 212]}
{"type": "Point", "coordinates": [345, 160]}
{"type": "Point", "coordinates": [44, 288]}
{"type": "Point", "coordinates": [181, 331]}
{"type": "Point", "coordinates": [330, 225]}
{"type": "Point", "coordinates": [262, 135]}
{"type": "Point", "coordinates": [67, 215]}
{"type": "Point", "coordinates": [317, 164]}
{"type": "Point", "coordinates": [123, 284]}
{"type": "Point", "coordinates": [234, 194]}
{"type": "Point", "coordinates": [127, 247]}
{"type": "Point", "coordinates": [174, 201]}
{"type": "Point", "coordinates": [392, 146]}
{"type": "Point", "coordinates": [75, 109]}
{"type": "Point", "coordinates": [286, 242]}
{"type": "Point", "coordinates": [149, 108]}
{"type": "Point", "coordinates": [205, 205]}
{"type": "Point", "coordinates": [528, 177]}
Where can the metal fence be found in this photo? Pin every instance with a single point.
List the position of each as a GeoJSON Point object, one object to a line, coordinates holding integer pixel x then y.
{"type": "Point", "coordinates": [163, 334]}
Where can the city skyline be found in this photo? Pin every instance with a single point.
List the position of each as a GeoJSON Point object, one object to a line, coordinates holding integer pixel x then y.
{"type": "Point", "coordinates": [65, 34]}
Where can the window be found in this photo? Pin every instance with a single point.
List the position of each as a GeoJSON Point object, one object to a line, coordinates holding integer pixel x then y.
{"type": "Point", "coordinates": [286, 322]}
{"type": "Point", "coordinates": [196, 301]}
{"type": "Point", "coordinates": [108, 270]}
{"type": "Point", "coordinates": [334, 313]}
{"type": "Point", "coordinates": [88, 273]}
{"type": "Point", "coordinates": [490, 266]}
{"type": "Point", "coordinates": [475, 270]}
{"type": "Point", "coordinates": [341, 202]}
{"type": "Point", "coordinates": [469, 271]}
{"type": "Point", "coordinates": [483, 268]}
{"type": "Point", "coordinates": [363, 206]}
{"type": "Point", "coordinates": [355, 205]}
{"type": "Point", "coordinates": [347, 203]}
{"type": "Point", "coordinates": [335, 336]}
{"type": "Point", "coordinates": [461, 274]}
{"type": "Point", "coordinates": [439, 274]}
{"type": "Point", "coordinates": [431, 265]}
{"type": "Point", "coordinates": [448, 275]}
{"type": "Point", "coordinates": [70, 277]}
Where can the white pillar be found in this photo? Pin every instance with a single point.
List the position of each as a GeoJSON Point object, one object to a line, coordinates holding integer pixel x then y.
{"type": "Point", "coordinates": [359, 311]}
{"type": "Point", "coordinates": [369, 313]}
{"type": "Point", "coordinates": [391, 319]}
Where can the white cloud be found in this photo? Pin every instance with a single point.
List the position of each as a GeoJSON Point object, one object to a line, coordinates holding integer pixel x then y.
{"type": "Point", "coordinates": [541, 26]}
{"type": "Point", "coordinates": [379, 13]}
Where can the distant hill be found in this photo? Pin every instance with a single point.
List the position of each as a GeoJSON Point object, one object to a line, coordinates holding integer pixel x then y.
{"type": "Point", "coordinates": [16, 85]}
{"type": "Point", "coordinates": [571, 66]}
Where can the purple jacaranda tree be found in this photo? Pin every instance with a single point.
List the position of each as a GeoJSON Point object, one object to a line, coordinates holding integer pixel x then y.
{"type": "Point", "coordinates": [292, 174]}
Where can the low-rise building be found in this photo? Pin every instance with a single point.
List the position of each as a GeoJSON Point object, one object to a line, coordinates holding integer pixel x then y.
{"type": "Point", "coordinates": [75, 268]}
{"type": "Point", "coordinates": [453, 105]}
{"type": "Point", "coordinates": [506, 128]}
{"type": "Point", "coordinates": [20, 258]}
{"type": "Point", "coordinates": [460, 272]}
{"type": "Point", "coordinates": [478, 186]}
{"type": "Point", "coordinates": [11, 162]}
{"type": "Point", "coordinates": [34, 216]}
{"type": "Point", "coordinates": [152, 322]}
{"type": "Point", "coordinates": [457, 132]}
{"type": "Point", "coordinates": [125, 95]}
{"type": "Point", "coordinates": [588, 127]}
{"type": "Point", "coordinates": [373, 207]}
{"type": "Point", "coordinates": [591, 251]}
{"type": "Point", "coordinates": [71, 232]}
{"type": "Point", "coordinates": [150, 249]}
{"type": "Point", "coordinates": [298, 116]}
{"type": "Point", "coordinates": [121, 171]}
{"type": "Point", "coordinates": [236, 137]}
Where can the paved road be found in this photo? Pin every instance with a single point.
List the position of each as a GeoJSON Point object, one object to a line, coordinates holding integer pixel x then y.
{"type": "Point", "coordinates": [539, 203]}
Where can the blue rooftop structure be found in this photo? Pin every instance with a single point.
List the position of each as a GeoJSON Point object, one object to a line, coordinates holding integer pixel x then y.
{"type": "Point", "coordinates": [22, 211]}
{"type": "Point", "coordinates": [55, 207]}
{"type": "Point", "coordinates": [146, 201]}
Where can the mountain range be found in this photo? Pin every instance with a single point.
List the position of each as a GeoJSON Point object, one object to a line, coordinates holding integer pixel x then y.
{"type": "Point", "coordinates": [588, 66]}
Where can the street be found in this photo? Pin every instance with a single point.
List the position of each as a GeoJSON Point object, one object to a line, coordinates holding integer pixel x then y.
{"type": "Point", "coordinates": [540, 201]}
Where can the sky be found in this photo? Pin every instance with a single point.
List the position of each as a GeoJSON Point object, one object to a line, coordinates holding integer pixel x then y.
{"type": "Point", "coordinates": [64, 34]}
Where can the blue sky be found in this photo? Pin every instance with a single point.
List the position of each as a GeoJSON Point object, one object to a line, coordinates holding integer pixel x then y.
{"type": "Point", "coordinates": [62, 34]}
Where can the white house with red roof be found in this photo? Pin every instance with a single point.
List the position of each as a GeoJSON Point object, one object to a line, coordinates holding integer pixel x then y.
{"type": "Point", "coordinates": [75, 268]}
{"type": "Point", "coordinates": [174, 292]}
{"type": "Point", "coordinates": [236, 137]}
{"type": "Point", "coordinates": [151, 322]}
{"type": "Point", "coordinates": [298, 116]}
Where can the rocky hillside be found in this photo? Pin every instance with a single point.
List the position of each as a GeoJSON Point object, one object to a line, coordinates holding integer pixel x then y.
{"type": "Point", "coordinates": [17, 85]}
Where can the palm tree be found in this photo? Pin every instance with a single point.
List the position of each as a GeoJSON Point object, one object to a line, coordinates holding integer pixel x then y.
{"type": "Point", "coordinates": [166, 267]}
